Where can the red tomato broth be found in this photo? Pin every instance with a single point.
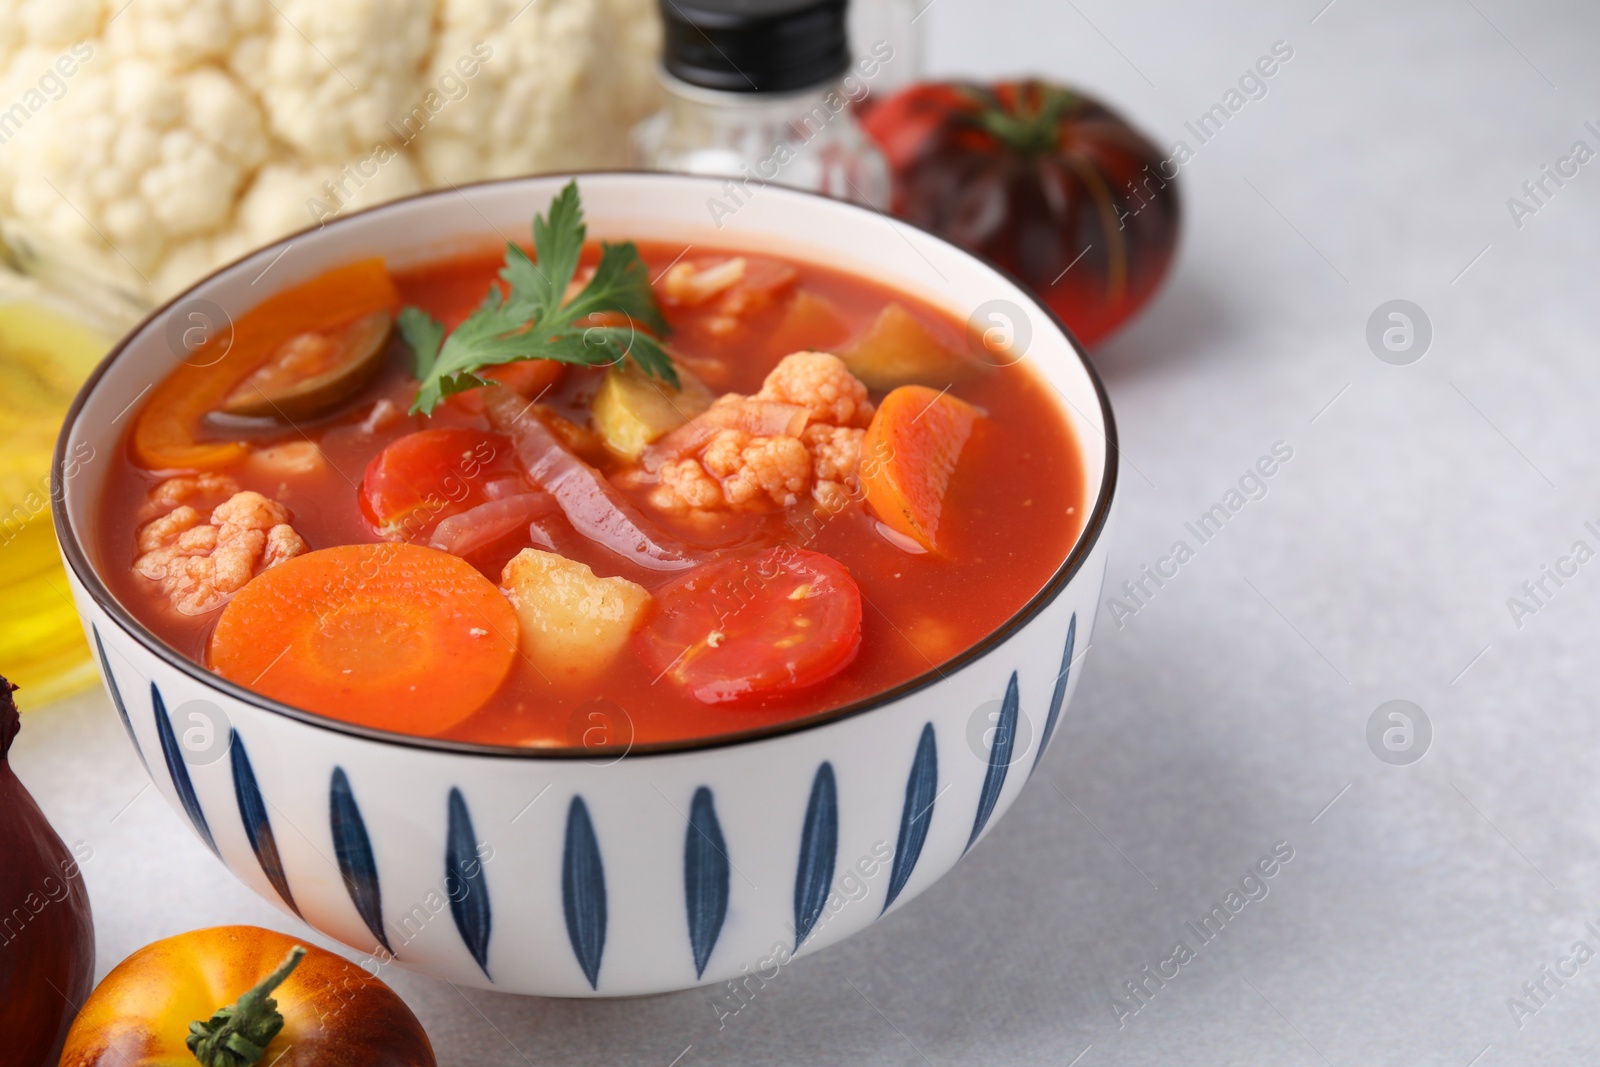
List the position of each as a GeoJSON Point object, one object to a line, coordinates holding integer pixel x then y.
{"type": "Point", "coordinates": [1014, 508]}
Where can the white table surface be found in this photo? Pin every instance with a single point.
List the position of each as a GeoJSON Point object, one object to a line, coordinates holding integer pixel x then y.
{"type": "Point", "coordinates": [1230, 711]}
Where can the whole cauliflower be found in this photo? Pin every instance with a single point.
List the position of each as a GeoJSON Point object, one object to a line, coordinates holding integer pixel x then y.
{"type": "Point", "coordinates": [150, 142]}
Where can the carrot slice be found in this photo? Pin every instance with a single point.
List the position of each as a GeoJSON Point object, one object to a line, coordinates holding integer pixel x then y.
{"type": "Point", "coordinates": [908, 455]}
{"type": "Point", "coordinates": [167, 435]}
{"type": "Point", "coordinates": [393, 636]}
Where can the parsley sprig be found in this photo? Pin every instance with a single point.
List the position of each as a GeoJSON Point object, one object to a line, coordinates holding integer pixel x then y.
{"type": "Point", "coordinates": [527, 318]}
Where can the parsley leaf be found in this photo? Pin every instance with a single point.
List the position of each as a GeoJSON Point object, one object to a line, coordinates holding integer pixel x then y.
{"type": "Point", "coordinates": [530, 318]}
{"type": "Point", "coordinates": [424, 334]}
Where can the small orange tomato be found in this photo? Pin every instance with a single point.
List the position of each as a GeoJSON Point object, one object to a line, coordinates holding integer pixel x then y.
{"type": "Point", "coordinates": [234, 985]}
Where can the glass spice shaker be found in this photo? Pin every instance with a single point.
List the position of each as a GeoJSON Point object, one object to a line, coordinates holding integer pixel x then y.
{"type": "Point", "coordinates": [764, 91]}
{"type": "Point", "coordinates": [896, 23]}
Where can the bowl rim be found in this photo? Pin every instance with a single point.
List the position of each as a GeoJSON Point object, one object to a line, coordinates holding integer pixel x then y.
{"type": "Point", "coordinates": [1094, 527]}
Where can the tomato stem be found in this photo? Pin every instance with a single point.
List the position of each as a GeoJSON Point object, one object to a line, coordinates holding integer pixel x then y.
{"type": "Point", "coordinates": [238, 1035]}
{"type": "Point", "coordinates": [1030, 121]}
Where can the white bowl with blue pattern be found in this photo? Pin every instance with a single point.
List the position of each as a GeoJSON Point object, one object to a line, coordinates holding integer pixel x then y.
{"type": "Point", "coordinates": [561, 873]}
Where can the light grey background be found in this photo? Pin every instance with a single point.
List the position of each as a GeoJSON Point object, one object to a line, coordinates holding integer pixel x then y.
{"type": "Point", "coordinates": [1228, 713]}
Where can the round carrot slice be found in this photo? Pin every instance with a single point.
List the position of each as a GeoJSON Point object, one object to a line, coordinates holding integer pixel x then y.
{"type": "Point", "coordinates": [393, 636]}
{"type": "Point", "coordinates": [753, 626]}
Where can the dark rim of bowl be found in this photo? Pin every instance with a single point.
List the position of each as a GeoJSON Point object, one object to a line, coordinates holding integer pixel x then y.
{"type": "Point", "coordinates": [1088, 537]}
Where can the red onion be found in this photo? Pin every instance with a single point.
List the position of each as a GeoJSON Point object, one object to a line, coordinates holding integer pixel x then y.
{"type": "Point", "coordinates": [479, 526]}
{"type": "Point", "coordinates": [759, 418]}
{"type": "Point", "coordinates": [591, 503]}
{"type": "Point", "coordinates": [504, 487]}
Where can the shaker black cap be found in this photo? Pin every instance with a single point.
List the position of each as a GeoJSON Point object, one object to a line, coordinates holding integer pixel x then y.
{"type": "Point", "coordinates": [755, 46]}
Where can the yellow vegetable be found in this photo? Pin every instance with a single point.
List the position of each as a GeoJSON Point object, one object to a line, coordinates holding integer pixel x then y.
{"type": "Point", "coordinates": [898, 350]}
{"type": "Point", "coordinates": [573, 623]}
{"type": "Point", "coordinates": [632, 409]}
{"type": "Point", "coordinates": [43, 357]}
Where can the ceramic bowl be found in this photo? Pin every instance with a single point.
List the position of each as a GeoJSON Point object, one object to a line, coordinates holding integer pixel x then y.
{"type": "Point", "coordinates": [576, 872]}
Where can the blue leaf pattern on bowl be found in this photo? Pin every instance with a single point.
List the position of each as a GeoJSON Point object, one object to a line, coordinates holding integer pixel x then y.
{"type": "Point", "coordinates": [994, 780]}
{"type": "Point", "coordinates": [819, 845]}
{"type": "Point", "coordinates": [179, 770]}
{"type": "Point", "coordinates": [705, 877]}
{"type": "Point", "coordinates": [465, 883]}
{"type": "Point", "coordinates": [253, 813]}
{"type": "Point", "coordinates": [583, 891]}
{"type": "Point", "coordinates": [1059, 694]}
{"type": "Point", "coordinates": [116, 695]}
{"type": "Point", "coordinates": [353, 849]}
{"type": "Point", "coordinates": [922, 786]}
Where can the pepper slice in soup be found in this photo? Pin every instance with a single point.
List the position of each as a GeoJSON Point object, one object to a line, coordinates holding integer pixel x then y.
{"type": "Point", "coordinates": [217, 356]}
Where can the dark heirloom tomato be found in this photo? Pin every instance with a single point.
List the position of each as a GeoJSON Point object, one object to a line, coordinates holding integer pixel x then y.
{"type": "Point", "coordinates": [756, 625]}
{"type": "Point", "coordinates": [1049, 183]}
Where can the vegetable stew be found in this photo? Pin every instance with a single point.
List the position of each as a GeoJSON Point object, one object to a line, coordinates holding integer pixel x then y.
{"type": "Point", "coordinates": [577, 494]}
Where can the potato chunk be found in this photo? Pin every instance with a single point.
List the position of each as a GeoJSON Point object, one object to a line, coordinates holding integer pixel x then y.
{"type": "Point", "coordinates": [632, 409]}
{"type": "Point", "coordinates": [573, 623]}
{"type": "Point", "coordinates": [898, 350]}
{"type": "Point", "coordinates": [812, 323]}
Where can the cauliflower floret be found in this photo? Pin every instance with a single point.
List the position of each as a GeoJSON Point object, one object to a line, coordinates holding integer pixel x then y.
{"type": "Point", "coordinates": [763, 470]}
{"type": "Point", "coordinates": [180, 34]}
{"type": "Point", "coordinates": [565, 82]}
{"type": "Point", "coordinates": [331, 75]}
{"type": "Point", "coordinates": [735, 468]}
{"type": "Point", "coordinates": [50, 23]}
{"type": "Point", "coordinates": [163, 533]}
{"type": "Point", "coordinates": [835, 449]}
{"type": "Point", "coordinates": [722, 454]}
{"type": "Point", "coordinates": [199, 564]}
{"type": "Point", "coordinates": [831, 497]}
{"type": "Point", "coordinates": [686, 486]}
{"type": "Point", "coordinates": [835, 456]}
{"type": "Point", "coordinates": [169, 494]}
{"type": "Point", "coordinates": [152, 159]}
{"type": "Point", "coordinates": [822, 384]}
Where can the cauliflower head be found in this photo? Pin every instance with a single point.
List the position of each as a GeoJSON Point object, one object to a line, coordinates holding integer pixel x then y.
{"type": "Point", "coordinates": [148, 143]}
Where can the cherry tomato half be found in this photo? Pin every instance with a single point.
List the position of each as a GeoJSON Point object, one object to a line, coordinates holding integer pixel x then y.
{"type": "Point", "coordinates": [430, 475]}
{"type": "Point", "coordinates": [755, 625]}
